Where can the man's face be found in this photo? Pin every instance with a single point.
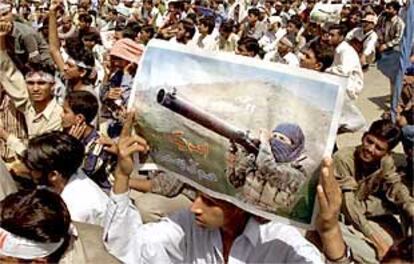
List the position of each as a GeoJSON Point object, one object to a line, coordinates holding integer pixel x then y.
{"type": "Point", "coordinates": [310, 4]}
{"type": "Point", "coordinates": [308, 60]}
{"type": "Point", "coordinates": [66, 23]}
{"type": "Point", "coordinates": [334, 37]}
{"type": "Point", "coordinates": [181, 34]}
{"type": "Point", "coordinates": [278, 8]}
{"type": "Point", "coordinates": [117, 63]}
{"type": "Point", "coordinates": [212, 213]}
{"type": "Point", "coordinates": [83, 25]}
{"type": "Point", "coordinates": [118, 35]}
{"type": "Point", "coordinates": [111, 17]}
{"type": "Point", "coordinates": [39, 90]}
{"type": "Point", "coordinates": [148, 5]}
{"type": "Point", "coordinates": [389, 11]}
{"type": "Point", "coordinates": [143, 37]}
{"type": "Point", "coordinates": [241, 50]}
{"type": "Point", "coordinates": [252, 19]}
{"type": "Point", "coordinates": [89, 44]}
{"type": "Point", "coordinates": [72, 71]}
{"type": "Point", "coordinates": [367, 26]}
{"type": "Point", "coordinates": [224, 35]}
{"type": "Point", "coordinates": [203, 29]}
{"type": "Point", "coordinates": [373, 149]}
{"type": "Point", "coordinates": [69, 118]}
{"type": "Point", "coordinates": [291, 28]}
{"type": "Point", "coordinates": [282, 49]}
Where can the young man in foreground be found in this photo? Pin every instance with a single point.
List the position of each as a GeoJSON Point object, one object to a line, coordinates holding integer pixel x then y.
{"type": "Point", "coordinates": [212, 230]}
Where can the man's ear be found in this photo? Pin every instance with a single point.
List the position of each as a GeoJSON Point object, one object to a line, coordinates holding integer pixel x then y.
{"type": "Point", "coordinates": [83, 72]}
{"type": "Point", "coordinates": [54, 177]}
{"type": "Point", "coordinates": [80, 118]}
{"type": "Point", "coordinates": [319, 66]}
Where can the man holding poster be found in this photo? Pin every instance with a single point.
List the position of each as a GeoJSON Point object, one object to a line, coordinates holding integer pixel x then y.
{"type": "Point", "coordinates": [212, 230]}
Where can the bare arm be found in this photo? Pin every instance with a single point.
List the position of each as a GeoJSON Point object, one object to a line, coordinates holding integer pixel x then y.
{"type": "Point", "coordinates": [54, 43]}
{"type": "Point", "coordinates": [141, 185]}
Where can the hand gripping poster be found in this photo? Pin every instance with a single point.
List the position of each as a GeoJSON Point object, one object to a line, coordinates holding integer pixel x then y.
{"type": "Point", "coordinates": [249, 132]}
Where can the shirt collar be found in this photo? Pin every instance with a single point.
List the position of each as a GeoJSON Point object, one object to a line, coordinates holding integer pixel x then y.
{"type": "Point", "coordinates": [252, 231]}
{"type": "Point", "coordinates": [50, 108]}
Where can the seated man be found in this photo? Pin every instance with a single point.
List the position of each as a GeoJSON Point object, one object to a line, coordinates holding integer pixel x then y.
{"type": "Point", "coordinates": [211, 230]}
{"type": "Point", "coordinates": [371, 187]}
{"type": "Point", "coordinates": [284, 53]}
{"type": "Point", "coordinates": [79, 110]}
{"type": "Point", "coordinates": [53, 160]}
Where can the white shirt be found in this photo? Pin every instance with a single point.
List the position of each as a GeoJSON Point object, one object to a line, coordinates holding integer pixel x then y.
{"type": "Point", "coordinates": [346, 63]}
{"type": "Point", "coordinates": [178, 239]}
{"type": "Point", "coordinates": [290, 58]}
{"type": "Point", "coordinates": [86, 202]}
{"type": "Point", "coordinates": [370, 39]}
{"type": "Point", "coordinates": [206, 43]}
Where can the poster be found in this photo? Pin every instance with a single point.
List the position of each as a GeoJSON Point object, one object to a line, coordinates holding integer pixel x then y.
{"type": "Point", "coordinates": [326, 13]}
{"type": "Point", "coordinates": [250, 132]}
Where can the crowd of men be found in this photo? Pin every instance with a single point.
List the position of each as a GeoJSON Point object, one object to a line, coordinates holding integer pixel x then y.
{"type": "Point", "coordinates": [69, 189]}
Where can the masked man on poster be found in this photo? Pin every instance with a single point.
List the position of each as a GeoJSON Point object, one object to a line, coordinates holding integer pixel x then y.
{"type": "Point", "coordinates": [212, 231]}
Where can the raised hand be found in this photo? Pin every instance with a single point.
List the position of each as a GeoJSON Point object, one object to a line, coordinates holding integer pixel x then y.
{"type": "Point", "coordinates": [327, 224]}
{"type": "Point", "coordinates": [128, 145]}
{"type": "Point", "coordinates": [329, 197]}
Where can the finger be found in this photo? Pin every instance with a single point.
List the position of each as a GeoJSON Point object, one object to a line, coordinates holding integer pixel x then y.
{"type": "Point", "coordinates": [135, 140]}
{"type": "Point", "coordinates": [134, 149]}
{"type": "Point", "coordinates": [323, 202]}
{"type": "Point", "coordinates": [103, 140]}
{"type": "Point", "coordinates": [127, 128]}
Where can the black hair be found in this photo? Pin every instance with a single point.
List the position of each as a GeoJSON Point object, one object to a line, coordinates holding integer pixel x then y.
{"type": "Point", "coordinates": [84, 103]}
{"type": "Point", "coordinates": [188, 27]}
{"type": "Point", "coordinates": [113, 11]}
{"type": "Point", "coordinates": [386, 130]}
{"type": "Point", "coordinates": [254, 11]}
{"type": "Point", "coordinates": [209, 22]}
{"type": "Point", "coordinates": [39, 215]}
{"type": "Point", "coordinates": [227, 26]}
{"type": "Point", "coordinates": [296, 22]}
{"type": "Point", "coordinates": [84, 17]}
{"type": "Point", "coordinates": [342, 29]}
{"type": "Point", "coordinates": [251, 45]}
{"type": "Point", "coordinates": [92, 36]}
{"type": "Point", "coordinates": [150, 30]}
{"type": "Point", "coordinates": [192, 17]}
{"type": "Point", "coordinates": [54, 151]}
{"type": "Point", "coordinates": [394, 5]}
{"type": "Point", "coordinates": [324, 54]}
{"type": "Point", "coordinates": [131, 30]}
{"type": "Point", "coordinates": [78, 52]}
{"type": "Point", "coordinates": [42, 67]}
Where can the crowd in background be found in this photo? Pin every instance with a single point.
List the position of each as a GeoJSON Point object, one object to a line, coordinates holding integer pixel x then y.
{"type": "Point", "coordinates": [66, 73]}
